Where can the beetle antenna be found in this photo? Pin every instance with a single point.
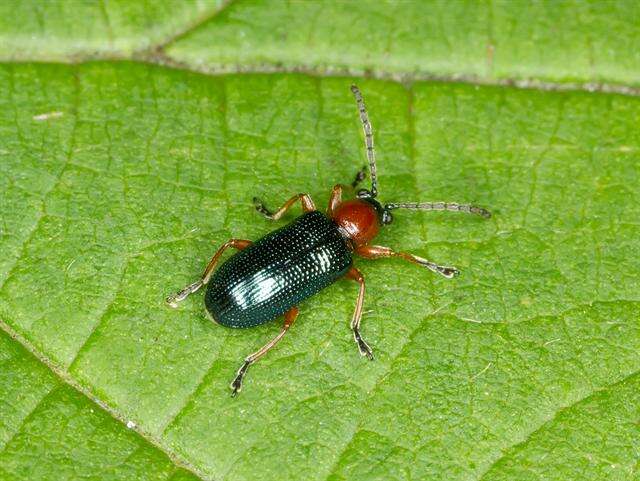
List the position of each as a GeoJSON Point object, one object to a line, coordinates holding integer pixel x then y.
{"type": "Point", "coordinates": [368, 139]}
{"type": "Point", "coordinates": [450, 206]}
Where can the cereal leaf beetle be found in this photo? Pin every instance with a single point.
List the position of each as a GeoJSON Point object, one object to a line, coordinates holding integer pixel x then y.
{"type": "Point", "coordinates": [273, 275]}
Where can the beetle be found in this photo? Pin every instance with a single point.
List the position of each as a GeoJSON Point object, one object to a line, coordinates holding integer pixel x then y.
{"type": "Point", "coordinates": [273, 275]}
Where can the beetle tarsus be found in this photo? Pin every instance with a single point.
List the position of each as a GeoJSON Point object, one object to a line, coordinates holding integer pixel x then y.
{"type": "Point", "coordinates": [181, 295]}
{"type": "Point", "coordinates": [364, 348]}
{"type": "Point", "coordinates": [304, 199]}
{"type": "Point", "coordinates": [262, 209]}
{"type": "Point", "coordinates": [445, 271]}
{"type": "Point", "coordinates": [236, 384]}
{"type": "Point", "coordinates": [360, 176]}
{"type": "Point", "coordinates": [449, 272]}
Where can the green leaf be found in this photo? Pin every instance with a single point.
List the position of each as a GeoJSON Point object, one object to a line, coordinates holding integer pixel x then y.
{"type": "Point", "coordinates": [121, 178]}
{"type": "Point", "coordinates": [75, 438]}
{"type": "Point", "coordinates": [561, 41]}
{"type": "Point", "coordinates": [69, 30]}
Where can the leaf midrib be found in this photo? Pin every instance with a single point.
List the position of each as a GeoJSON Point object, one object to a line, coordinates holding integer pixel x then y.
{"type": "Point", "coordinates": [64, 377]}
{"type": "Point", "coordinates": [156, 54]}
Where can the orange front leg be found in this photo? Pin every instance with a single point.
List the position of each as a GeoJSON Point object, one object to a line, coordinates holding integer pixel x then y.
{"type": "Point", "coordinates": [336, 193]}
{"type": "Point", "coordinates": [377, 252]}
{"type": "Point", "coordinates": [335, 199]}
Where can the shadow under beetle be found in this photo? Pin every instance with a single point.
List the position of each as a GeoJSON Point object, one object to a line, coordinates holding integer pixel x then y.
{"type": "Point", "coordinates": [271, 276]}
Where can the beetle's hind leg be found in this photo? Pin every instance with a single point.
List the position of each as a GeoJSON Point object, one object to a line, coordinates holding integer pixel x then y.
{"type": "Point", "coordinates": [364, 348]}
{"type": "Point", "coordinates": [182, 294]}
{"type": "Point", "coordinates": [305, 200]}
{"type": "Point", "coordinates": [289, 318]}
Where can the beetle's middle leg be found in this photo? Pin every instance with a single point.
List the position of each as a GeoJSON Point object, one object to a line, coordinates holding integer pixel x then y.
{"type": "Point", "coordinates": [377, 252]}
{"type": "Point", "coordinates": [305, 200]}
{"type": "Point", "coordinates": [182, 294]}
{"type": "Point", "coordinates": [365, 350]}
{"type": "Point", "coordinates": [289, 318]}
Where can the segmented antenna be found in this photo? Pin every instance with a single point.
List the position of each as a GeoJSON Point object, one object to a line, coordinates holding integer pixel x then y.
{"type": "Point", "coordinates": [451, 206]}
{"type": "Point", "coordinates": [368, 139]}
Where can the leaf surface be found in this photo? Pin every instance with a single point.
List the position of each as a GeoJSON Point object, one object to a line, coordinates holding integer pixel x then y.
{"type": "Point", "coordinates": [121, 178]}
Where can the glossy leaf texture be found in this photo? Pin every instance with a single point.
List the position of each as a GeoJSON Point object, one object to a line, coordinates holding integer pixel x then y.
{"type": "Point", "coordinates": [121, 178]}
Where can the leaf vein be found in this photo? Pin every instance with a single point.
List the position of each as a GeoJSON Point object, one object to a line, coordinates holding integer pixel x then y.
{"type": "Point", "coordinates": [26, 419]}
{"type": "Point", "coordinates": [64, 377]}
{"type": "Point", "coordinates": [521, 444]}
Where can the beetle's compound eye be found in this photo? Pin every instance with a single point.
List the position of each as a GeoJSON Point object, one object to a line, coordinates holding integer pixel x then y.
{"type": "Point", "coordinates": [387, 218]}
{"type": "Point", "coordinates": [364, 194]}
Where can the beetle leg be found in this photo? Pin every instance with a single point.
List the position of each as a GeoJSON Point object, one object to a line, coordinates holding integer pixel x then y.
{"type": "Point", "coordinates": [335, 199]}
{"type": "Point", "coordinates": [360, 176]}
{"type": "Point", "coordinates": [336, 193]}
{"type": "Point", "coordinates": [182, 294]}
{"type": "Point", "coordinates": [289, 318]}
{"type": "Point", "coordinates": [364, 348]}
{"type": "Point", "coordinates": [377, 252]}
{"type": "Point", "coordinates": [305, 200]}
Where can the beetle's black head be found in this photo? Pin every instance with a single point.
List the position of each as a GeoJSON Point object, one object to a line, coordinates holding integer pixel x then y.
{"type": "Point", "coordinates": [384, 214]}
